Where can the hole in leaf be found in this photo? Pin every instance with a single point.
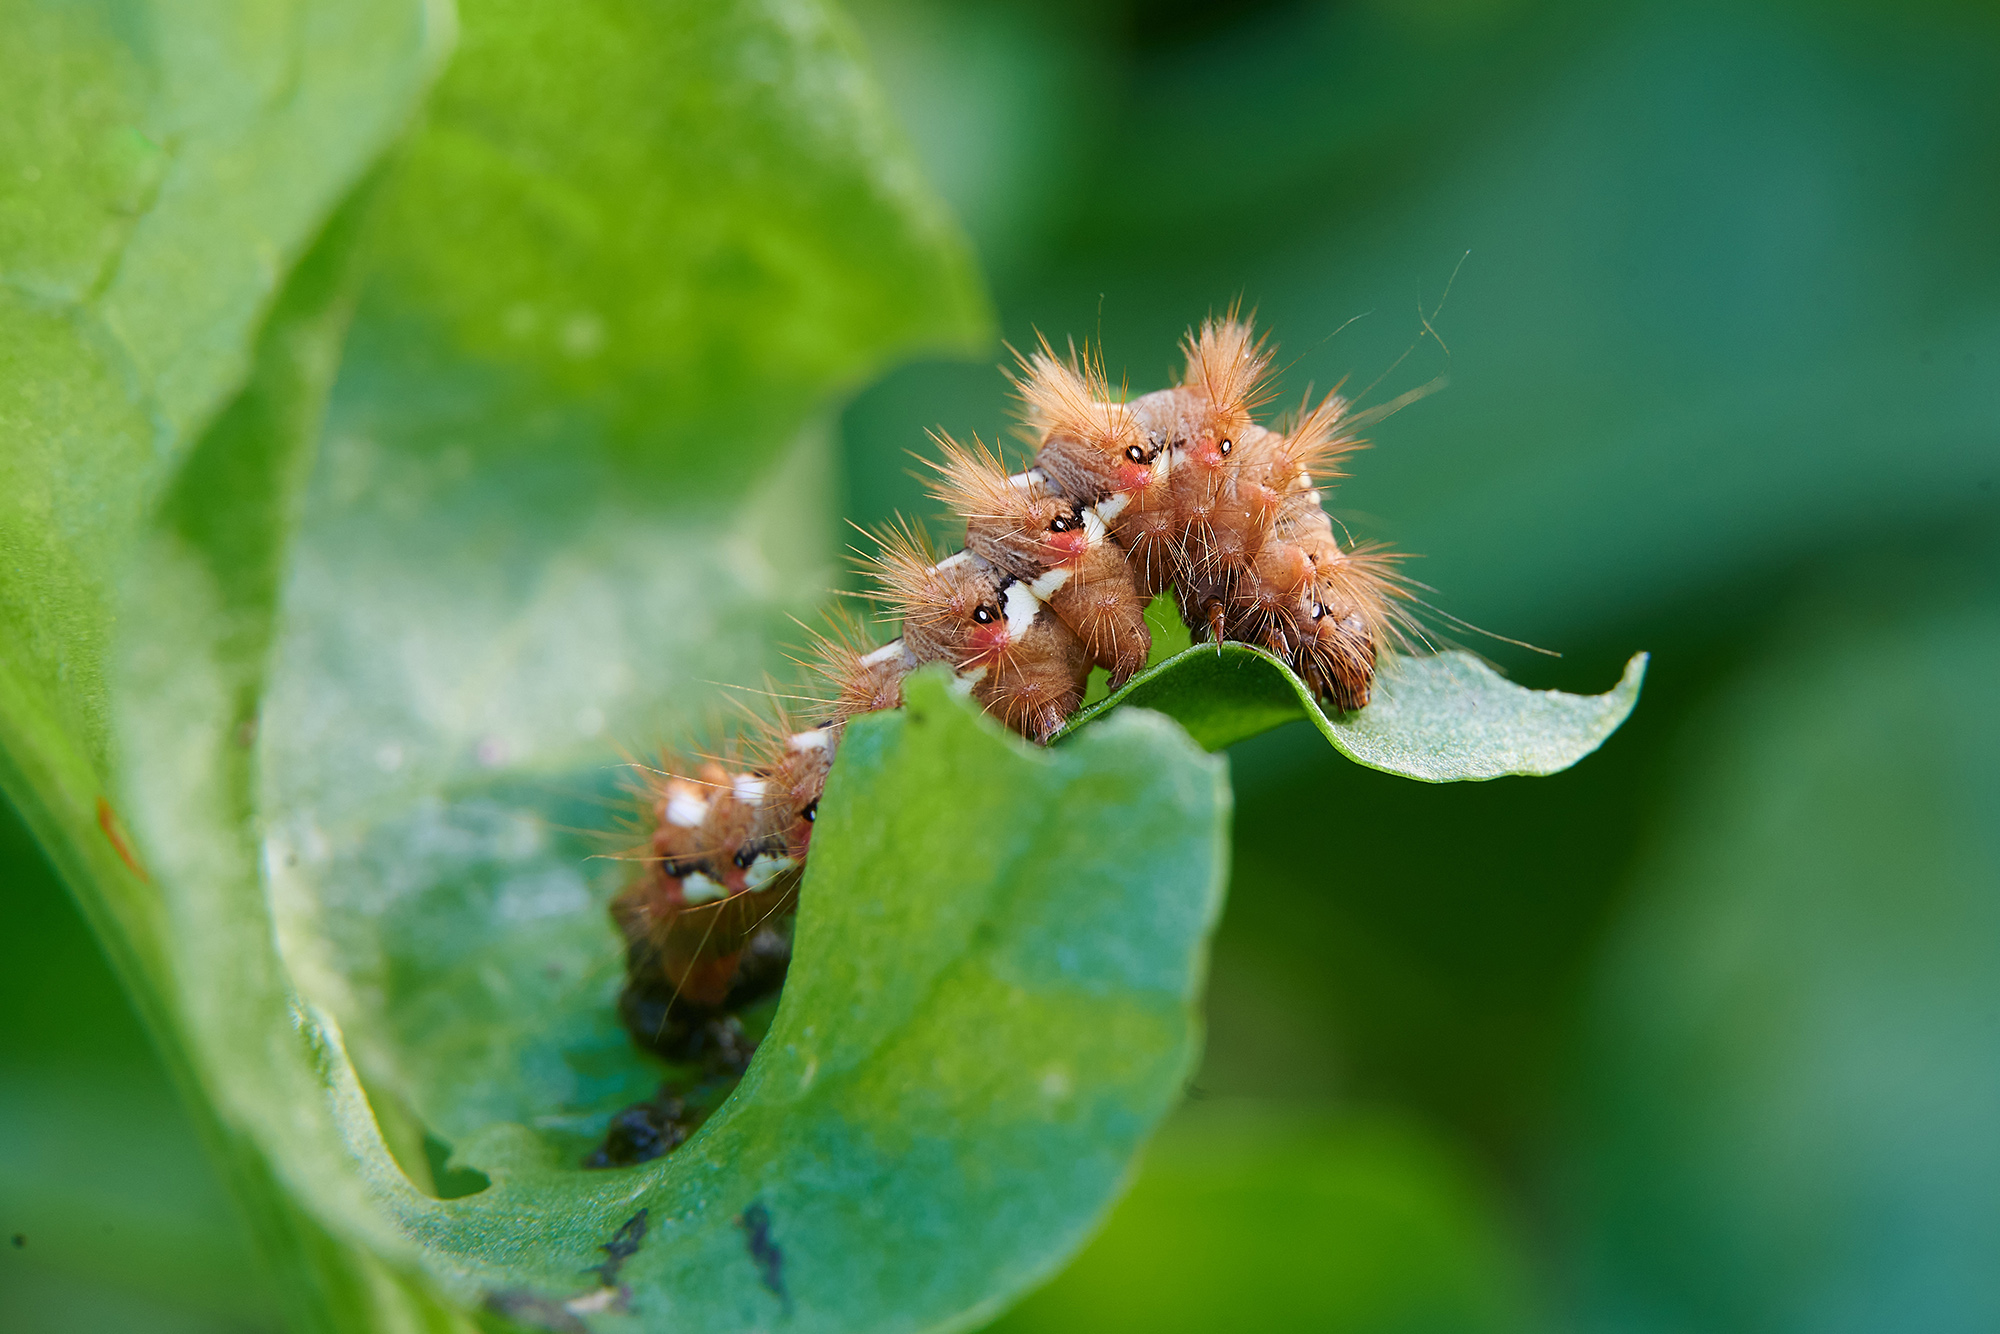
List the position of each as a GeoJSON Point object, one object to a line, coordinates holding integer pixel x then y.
{"type": "Point", "coordinates": [451, 1183]}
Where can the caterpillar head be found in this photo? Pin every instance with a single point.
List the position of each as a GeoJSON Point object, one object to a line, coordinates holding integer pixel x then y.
{"type": "Point", "coordinates": [1197, 426]}
{"type": "Point", "coordinates": [954, 610]}
{"type": "Point", "coordinates": [1015, 522]}
{"type": "Point", "coordinates": [795, 764]}
{"type": "Point", "coordinates": [1336, 653]}
{"type": "Point", "coordinates": [1091, 447]}
{"type": "Point", "coordinates": [1347, 615]}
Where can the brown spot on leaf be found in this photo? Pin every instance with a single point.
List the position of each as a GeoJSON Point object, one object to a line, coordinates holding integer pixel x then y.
{"type": "Point", "coordinates": [114, 833]}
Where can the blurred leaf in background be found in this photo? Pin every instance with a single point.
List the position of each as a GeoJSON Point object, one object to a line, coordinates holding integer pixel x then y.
{"type": "Point", "coordinates": [1793, 1043]}
{"type": "Point", "coordinates": [1267, 1218]}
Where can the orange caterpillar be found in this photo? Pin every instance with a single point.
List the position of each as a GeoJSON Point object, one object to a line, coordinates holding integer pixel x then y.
{"type": "Point", "coordinates": [1178, 490]}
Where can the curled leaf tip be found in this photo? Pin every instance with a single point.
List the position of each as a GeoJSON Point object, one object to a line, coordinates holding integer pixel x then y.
{"type": "Point", "coordinates": [1441, 718]}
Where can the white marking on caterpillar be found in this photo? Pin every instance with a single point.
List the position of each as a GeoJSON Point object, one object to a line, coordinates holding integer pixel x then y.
{"type": "Point", "coordinates": [1022, 608]}
{"type": "Point", "coordinates": [1028, 480]}
{"type": "Point", "coordinates": [1165, 463]}
{"type": "Point", "coordinates": [817, 739]}
{"type": "Point", "coordinates": [698, 888]}
{"type": "Point", "coordinates": [686, 810]}
{"type": "Point", "coordinates": [893, 649]}
{"type": "Point", "coordinates": [749, 788]}
{"type": "Point", "coordinates": [765, 869]}
{"type": "Point", "coordinates": [963, 682]}
{"type": "Point", "coordinates": [1094, 532]}
{"type": "Point", "coordinates": [1046, 586]}
{"type": "Point", "coordinates": [956, 558]}
{"type": "Point", "coordinates": [1114, 505]}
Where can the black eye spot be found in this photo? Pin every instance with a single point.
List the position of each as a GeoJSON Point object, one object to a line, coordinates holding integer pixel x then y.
{"type": "Point", "coordinates": [1319, 610]}
{"type": "Point", "coordinates": [744, 856]}
{"type": "Point", "coordinates": [811, 811]}
{"type": "Point", "coordinates": [1136, 453]}
{"type": "Point", "coordinates": [1062, 523]}
{"type": "Point", "coordinates": [985, 614]}
{"type": "Point", "coordinates": [1226, 446]}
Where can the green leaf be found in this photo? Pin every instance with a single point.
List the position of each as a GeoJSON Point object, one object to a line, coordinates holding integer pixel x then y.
{"type": "Point", "coordinates": [1440, 718]}
{"type": "Point", "coordinates": [165, 169]}
{"type": "Point", "coordinates": [998, 958]}
{"type": "Point", "coordinates": [999, 953]}
{"type": "Point", "coordinates": [655, 235]}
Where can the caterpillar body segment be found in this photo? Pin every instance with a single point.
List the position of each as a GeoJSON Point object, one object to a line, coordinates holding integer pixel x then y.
{"type": "Point", "coordinates": [857, 675]}
{"type": "Point", "coordinates": [1016, 656]}
{"type": "Point", "coordinates": [1111, 457]}
{"type": "Point", "coordinates": [1022, 525]}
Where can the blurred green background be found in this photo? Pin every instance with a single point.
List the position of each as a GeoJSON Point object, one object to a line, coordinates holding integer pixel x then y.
{"type": "Point", "coordinates": [1702, 1035]}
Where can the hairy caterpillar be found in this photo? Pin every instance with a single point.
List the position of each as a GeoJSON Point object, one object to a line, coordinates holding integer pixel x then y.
{"type": "Point", "coordinates": [1179, 490]}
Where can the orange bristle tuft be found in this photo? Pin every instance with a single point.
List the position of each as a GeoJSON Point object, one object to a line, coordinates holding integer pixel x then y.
{"type": "Point", "coordinates": [856, 675]}
{"type": "Point", "coordinates": [972, 482]}
{"type": "Point", "coordinates": [1226, 365]}
{"type": "Point", "coordinates": [1321, 439]}
{"type": "Point", "coordinates": [1071, 399]}
{"type": "Point", "coordinates": [905, 565]}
